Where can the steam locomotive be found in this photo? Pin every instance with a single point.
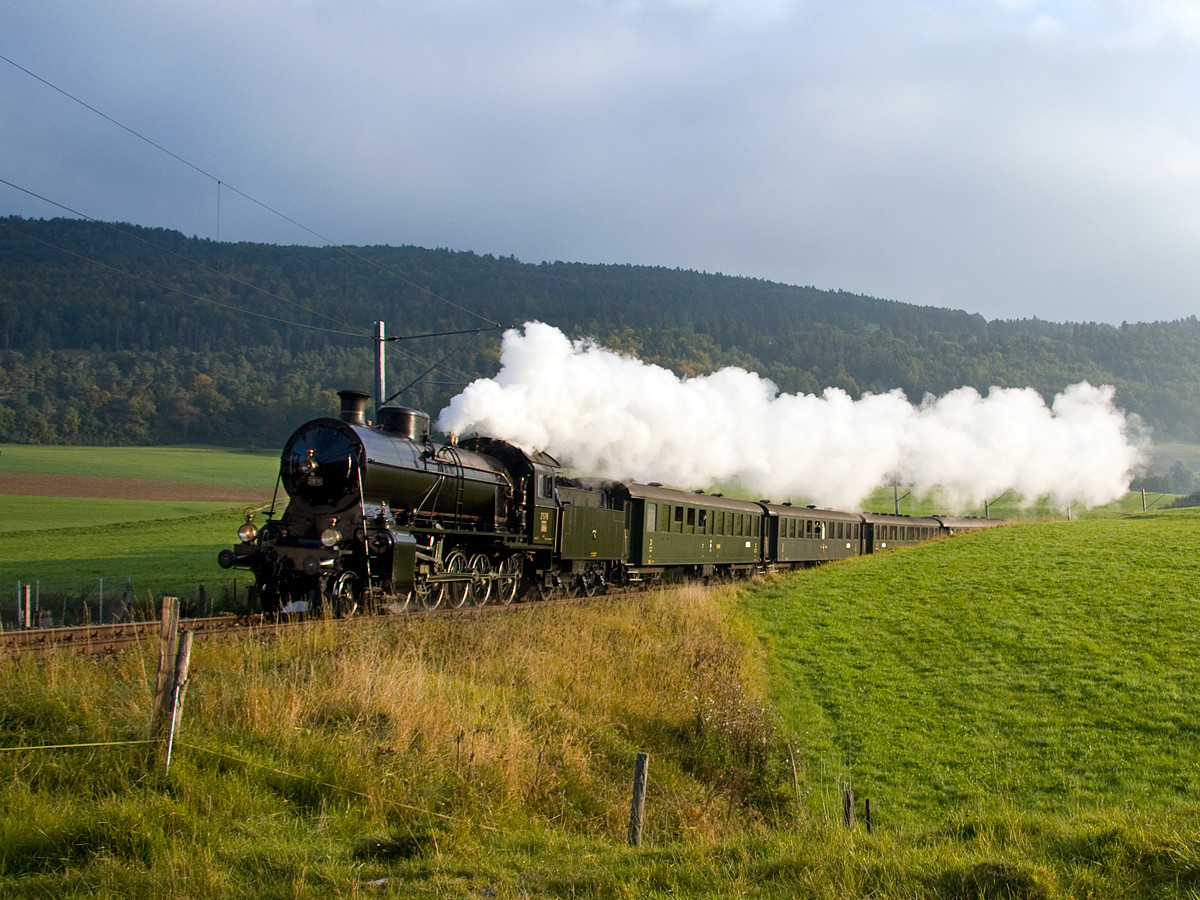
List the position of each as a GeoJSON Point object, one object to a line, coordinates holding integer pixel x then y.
{"type": "Point", "coordinates": [381, 516]}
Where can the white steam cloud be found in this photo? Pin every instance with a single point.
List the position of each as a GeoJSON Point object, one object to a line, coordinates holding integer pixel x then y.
{"type": "Point", "coordinates": [604, 414]}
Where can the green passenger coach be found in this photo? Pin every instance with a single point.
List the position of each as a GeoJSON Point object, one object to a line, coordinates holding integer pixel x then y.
{"type": "Point", "coordinates": [804, 535]}
{"type": "Point", "coordinates": [884, 532]}
{"type": "Point", "coordinates": [706, 533]}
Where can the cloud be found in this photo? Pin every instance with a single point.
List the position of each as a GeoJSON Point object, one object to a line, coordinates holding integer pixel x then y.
{"type": "Point", "coordinates": [608, 415]}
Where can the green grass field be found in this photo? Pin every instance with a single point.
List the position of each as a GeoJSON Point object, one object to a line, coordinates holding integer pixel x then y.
{"type": "Point", "coordinates": [203, 465]}
{"type": "Point", "coordinates": [159, 547]}
{"type": "Point", "coordinates": [1165, 454]}
{"type": "Point", "coordinates": [1035, 667]}
{"type": "Point", "coordinates": [65, 546]}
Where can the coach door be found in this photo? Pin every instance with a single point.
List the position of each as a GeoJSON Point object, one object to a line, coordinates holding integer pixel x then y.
{"type": "Point", "coordinates": [545, 508]}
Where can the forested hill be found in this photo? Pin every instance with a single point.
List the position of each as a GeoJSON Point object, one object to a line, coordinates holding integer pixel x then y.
{"type": "Point", "coordinates": [120, 334]}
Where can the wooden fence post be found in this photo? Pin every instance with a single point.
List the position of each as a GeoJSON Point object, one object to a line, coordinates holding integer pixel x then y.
{"type": "Point", "coordinates": [637, 808]}
{"type": "Point", "coordinates": [183, 659]}
{"type": "Point", "coordinates": [848, 808]}
{"type": "Point", "coordinates": [166, 640]}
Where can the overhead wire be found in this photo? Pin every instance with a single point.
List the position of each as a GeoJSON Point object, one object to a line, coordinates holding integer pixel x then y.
{"type": "Point", "coordinates": [222, 183]}
{"type": "Point", "coordinates": [223, 274]}
{"type": "Point", "coordinates": [176, 290]}
{"type": "Point", "coordinates": [212, 269]}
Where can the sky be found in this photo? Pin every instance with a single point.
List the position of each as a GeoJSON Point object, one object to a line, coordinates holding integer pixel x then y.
{"type": "Point", "coordinates": [1014, 158]}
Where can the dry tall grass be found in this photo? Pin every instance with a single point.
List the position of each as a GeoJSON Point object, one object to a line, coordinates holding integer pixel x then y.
{"type": "Point", "coordinates": [537, 711]}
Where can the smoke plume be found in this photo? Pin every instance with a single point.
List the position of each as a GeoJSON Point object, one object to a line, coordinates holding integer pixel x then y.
{"type": "Point", "coordinates": [604, 414]}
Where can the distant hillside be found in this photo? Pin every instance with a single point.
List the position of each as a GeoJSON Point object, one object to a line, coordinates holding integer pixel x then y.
{"type": "Point", "coordinates": [121, 334]}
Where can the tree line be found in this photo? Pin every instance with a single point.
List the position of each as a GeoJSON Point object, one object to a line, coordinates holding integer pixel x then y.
{"type": "Point", "coordinates": [115, 334]}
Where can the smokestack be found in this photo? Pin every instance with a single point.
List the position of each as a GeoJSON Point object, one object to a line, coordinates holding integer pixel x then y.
{"type": "Point", "coordinates": [354, 406]}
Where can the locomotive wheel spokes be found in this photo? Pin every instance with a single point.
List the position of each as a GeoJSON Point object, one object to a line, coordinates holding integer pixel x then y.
{"type": "Point", "coordinates": [481, 579]}
{"type": "Point", "coordinates": [343, 595]}
{"type": "Point", "coordinates": [426, 596]}
{"type": "Point", "coordinates": [457, 592]}
{"type": "Point", "coordinates": [509, 584]}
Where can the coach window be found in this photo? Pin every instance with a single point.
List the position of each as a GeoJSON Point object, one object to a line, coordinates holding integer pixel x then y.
{"type": "Point", "coordinates": [651, 516]}
{"type": "Point", "coordinates": [679, 519]}
{"type": "Point", "coordinates": [691, 520]}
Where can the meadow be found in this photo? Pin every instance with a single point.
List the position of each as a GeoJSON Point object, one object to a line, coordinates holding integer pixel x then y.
{"type": "Point", "coordinates": [1034, 667]}
{"type": "Point", "coordinates": [203, 465]}
{"type": "Point", "coordinates": [65, 546]}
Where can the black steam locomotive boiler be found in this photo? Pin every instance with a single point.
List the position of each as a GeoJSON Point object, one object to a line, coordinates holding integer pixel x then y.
{"type": "Point", "coordinates": [380, 515]}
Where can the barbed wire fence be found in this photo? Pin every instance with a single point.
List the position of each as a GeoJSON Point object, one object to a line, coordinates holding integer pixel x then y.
{"type": "Point", "coordinates": [38, 603]}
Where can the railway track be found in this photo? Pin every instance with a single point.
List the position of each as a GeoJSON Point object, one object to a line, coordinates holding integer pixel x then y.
{"type": "Point", "coordinates": [100, 640]}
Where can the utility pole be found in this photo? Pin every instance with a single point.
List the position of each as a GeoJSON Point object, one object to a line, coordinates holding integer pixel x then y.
{"type": "Point", "coordinates": [380, 368]}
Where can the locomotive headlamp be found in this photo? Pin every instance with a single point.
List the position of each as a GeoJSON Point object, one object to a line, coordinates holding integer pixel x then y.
{"type": "Point", "coordinates": [330, 537]}
{"type": "Point", "coordinates": [308, 465]}
{"type": "Point", "coordinates": [247, 532]}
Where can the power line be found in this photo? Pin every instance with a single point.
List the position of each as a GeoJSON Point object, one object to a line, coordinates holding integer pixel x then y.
{"type": "Point", "coordinates": [175, 290]}
{"type": "Point", "coordinates": [212, 269]}
{"type": "Point", "coordinates": [242, 310]}
{"type": "Point", "coordinates": [222, 183]}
